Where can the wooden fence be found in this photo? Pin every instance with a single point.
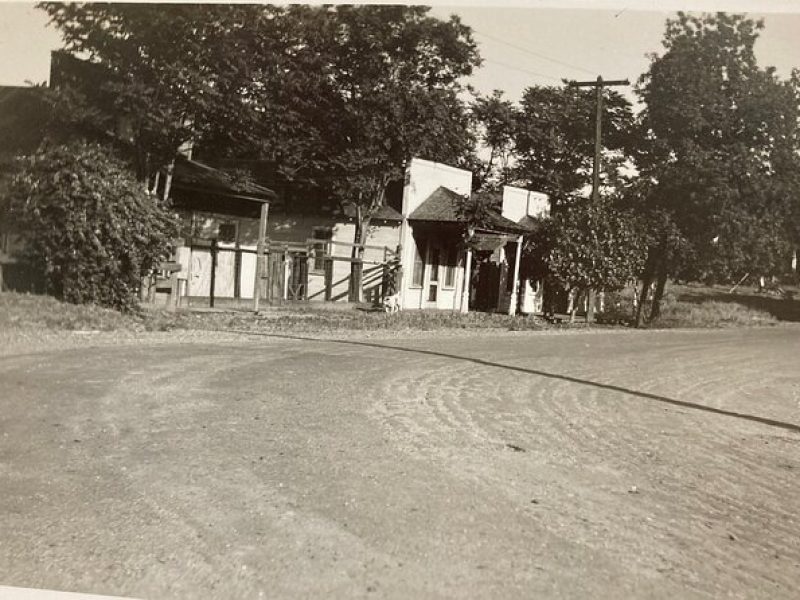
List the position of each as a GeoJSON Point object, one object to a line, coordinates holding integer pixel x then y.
{"type": "Point", "coordinates": [227, 273]}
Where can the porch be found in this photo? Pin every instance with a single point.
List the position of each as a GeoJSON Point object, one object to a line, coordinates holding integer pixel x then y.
{"type": "Point", "coordinates": [459, 267]}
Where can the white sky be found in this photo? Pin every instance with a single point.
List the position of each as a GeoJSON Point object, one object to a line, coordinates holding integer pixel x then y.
{"type": "Point", "coordinates": [534, 42]}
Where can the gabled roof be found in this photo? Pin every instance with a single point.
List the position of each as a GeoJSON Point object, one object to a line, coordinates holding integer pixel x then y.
{"type": "Point", "coordinates": [195, 176]}
{"type": "Point", "coordinates": [442, 207]}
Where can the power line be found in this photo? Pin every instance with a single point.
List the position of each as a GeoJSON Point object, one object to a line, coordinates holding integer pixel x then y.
{"type": "Point", "coordinates": [529, 72]}
{"type": "Point", "coordinates": [534, 53]}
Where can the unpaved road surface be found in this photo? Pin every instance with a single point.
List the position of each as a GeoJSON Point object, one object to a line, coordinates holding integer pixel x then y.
{"type": "Point", "coordinates": [623, 464]}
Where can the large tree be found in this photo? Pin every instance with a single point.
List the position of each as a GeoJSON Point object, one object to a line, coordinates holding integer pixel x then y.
{"type": "Point", "coordinates": [395, 73]}
{"type": "Point", "coordinates": [720, 156]}
{"type": "Point", "coordinates": [555, 146]}
{"type": "Point", "coordinates": [496, 120]}
{"type": "Point", "coordinates": [555, 139]}
{"type": "Point", "coordinates": [368, 88]}
{"type": "Point", "coordinates": [151, 78]}
{"type": "Point", "coordinates": [340, 96]}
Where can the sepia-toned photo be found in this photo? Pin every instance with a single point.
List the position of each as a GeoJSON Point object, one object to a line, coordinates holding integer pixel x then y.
{"type": "Point", "coordinates": [400, 301]}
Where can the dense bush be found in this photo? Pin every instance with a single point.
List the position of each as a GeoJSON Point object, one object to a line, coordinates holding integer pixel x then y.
{"type": "Point", "coordinates": [594, 246]}
{"type": "Point", "coordinates": [87, 224]}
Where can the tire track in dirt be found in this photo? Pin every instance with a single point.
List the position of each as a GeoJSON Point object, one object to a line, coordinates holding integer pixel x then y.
{"type": "Point", "coordinates": [709, 495]}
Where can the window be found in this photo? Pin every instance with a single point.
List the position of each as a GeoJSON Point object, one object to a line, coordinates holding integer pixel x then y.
{"type": "Point", "coordinates": [322, 237]}
{"type": "Point", "coordinates": [450, 269]}
{"type": "Point", "coordinates": [419, 267]}
{"type": "Point", "coordinates": [432, 292]}
{"type": "Point", "coordinates": [434, 264]}
{"type": "Point", "coordinates": [227, 233]}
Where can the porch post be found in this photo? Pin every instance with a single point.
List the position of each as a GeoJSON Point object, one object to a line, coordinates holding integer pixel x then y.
{"type": "Point", "coordinates": [512, 305]}
{"type": "Point", "coordinates": [262, 233]}
{"type": "Point", "coordinates": [465, 283]}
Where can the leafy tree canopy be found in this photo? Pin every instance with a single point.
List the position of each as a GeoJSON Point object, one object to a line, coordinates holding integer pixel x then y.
{"type": "Point", "coordinates": [721, 146]}
{"type": "Point", "coordinates": [555, 138]}
{"type": "Point", "coordinates": [496, 119]}
{"type": "Point", "coordinates": [594, 246]}
{"type": "Point", "coordinates": [160, 72]}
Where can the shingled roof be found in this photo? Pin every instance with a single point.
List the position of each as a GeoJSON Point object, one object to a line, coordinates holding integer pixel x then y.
{"type": "Point", "coordinates": [442, 207]}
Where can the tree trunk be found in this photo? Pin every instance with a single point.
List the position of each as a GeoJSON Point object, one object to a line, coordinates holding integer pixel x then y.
{"type": "Point", "coordinates": [572, 304]}
{"type": "Point", "coordinates": [156, 179]}
{"type": "Point", "coordinates": [655, 309]}
{"type": "Point", "coordinates": [590, 295]}
{"type": "Point", "coordinates": [357, 267]}
{"type": "Point", "coordinates": [647, 280]}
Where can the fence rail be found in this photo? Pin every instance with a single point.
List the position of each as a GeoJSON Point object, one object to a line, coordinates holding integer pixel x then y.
{"type": "Point", "coordinates": [287, 269]}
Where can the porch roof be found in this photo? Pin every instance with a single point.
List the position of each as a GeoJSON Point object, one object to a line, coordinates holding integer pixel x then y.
{"type": "Point", "coordinates": [194, 176]}
{"type": "Point", "coordinates": [442, 207]}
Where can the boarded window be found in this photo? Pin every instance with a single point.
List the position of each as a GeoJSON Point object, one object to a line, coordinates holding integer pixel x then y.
{"type": "Point", "coordinates": [322, 237]}
{"type": "Point", "coordinates": [419, 267]}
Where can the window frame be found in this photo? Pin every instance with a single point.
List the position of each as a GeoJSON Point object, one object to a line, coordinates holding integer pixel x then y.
{"type": "Point", "coordinates": [418, 268]}
{"type": "Point", "coordinates": [320, 245]}
{"type": "Point", "coordinates": [450, 268]}
{"type": "Point", "coordinates": [435, 262]}
{"type": "Point", "coordinates": [233, 239]}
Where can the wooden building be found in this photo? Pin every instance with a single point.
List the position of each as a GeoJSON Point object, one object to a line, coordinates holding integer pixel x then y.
{"type": "Point", "coordinates": [308, 244]}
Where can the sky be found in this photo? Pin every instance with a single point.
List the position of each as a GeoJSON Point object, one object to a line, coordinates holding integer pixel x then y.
{"type": "Point", "coordinates": [538, 42]}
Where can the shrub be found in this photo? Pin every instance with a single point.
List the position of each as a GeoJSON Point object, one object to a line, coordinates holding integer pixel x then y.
{"type": "Point", "coordinates": [595, 246]}
{"type": "Point", "coordinates": [88, 226]}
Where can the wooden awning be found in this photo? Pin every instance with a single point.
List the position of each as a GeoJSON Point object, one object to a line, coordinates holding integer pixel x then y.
{"type": "Point", "coordinates": [488, 242]}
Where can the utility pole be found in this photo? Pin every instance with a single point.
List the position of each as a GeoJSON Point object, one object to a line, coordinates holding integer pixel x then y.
{"type": "Point", "coordinates": [598, 85]}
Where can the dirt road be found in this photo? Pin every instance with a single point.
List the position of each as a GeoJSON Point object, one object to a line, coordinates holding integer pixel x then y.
{"type": "Point", "coordinates": [635, 464]}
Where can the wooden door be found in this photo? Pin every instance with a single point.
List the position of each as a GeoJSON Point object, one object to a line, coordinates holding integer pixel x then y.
{"type": "Point", "coordinates": [488, 285]}
{"type": "Point", "coordinates": [433, 276]}
{"type": "Point", "coordinates": [225, 272]}
{"type": "Point", "coordinates": [275, 270]}
{"type": "Point", "coordinates": [200, 269]}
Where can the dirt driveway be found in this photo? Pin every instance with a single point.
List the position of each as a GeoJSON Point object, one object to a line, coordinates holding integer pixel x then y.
{"type": "Point", "coordinates": [633, 464]}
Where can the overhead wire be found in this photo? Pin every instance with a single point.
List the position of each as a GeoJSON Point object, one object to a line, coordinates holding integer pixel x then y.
{"type": "Point", "coordinates": [528, 71]}
{"type": "Point", "coordinates": [536, 54]}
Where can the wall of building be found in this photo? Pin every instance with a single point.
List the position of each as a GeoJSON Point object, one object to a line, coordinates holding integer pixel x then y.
{"type": "Point", "coordinates": [384, 234]}
{"type": "Point", "coordinates": [422, 178]}
{"type": "Point", "coordinates": [447, 297]}
{"type": "Point", "coordinates": [519, 203]}
{"type": "Point", "coordinates": [282, 228]}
